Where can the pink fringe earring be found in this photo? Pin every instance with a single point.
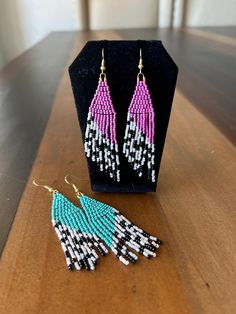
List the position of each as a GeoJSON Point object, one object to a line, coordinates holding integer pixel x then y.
{"type": "Point", "coordinates": [139, 146]}
{"type": "Point", "coordinates": [100, 136]}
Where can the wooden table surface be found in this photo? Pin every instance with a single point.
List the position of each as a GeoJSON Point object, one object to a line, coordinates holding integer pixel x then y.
{"type": "Point", "coordinates": [193, 213]}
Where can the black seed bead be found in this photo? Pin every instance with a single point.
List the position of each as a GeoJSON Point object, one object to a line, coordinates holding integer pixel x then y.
{"type": "Point", "coordinates": [86, 264]}
{"type": "Point", "coordinates": [80, 264]}
{"type": "Point", "coordinates": [100, 250]}
{"type": "Point", "coordinates": [128, 256]}
{"type": "Point", "coordinates": [138, 238]}
{"type": "Point", "coordinates": [132, 260]}
{"type": "Point", "coordinates": [141, 250]}
{"type": "Point", "coordinates": [118, 254]}
{"type": "Point", "coordinates": [127, 233]}
{"type": "Point", "coordinates": [150, 248]}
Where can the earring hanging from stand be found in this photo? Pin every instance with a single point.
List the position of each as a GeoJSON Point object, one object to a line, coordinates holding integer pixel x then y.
{"type": "Point", "coordinates": [100, 135]}
{"type": "Point", "coordinates": [139, 145]}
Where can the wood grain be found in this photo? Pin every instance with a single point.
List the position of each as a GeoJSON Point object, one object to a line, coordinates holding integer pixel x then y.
{"type": "Point", "coordinates": [193, 212]}
{"type": "Point", "coordinates": [223, 39]}
{"type": "Point", "coordinates": [27, 88]}
{"type": "Point", "coordinates": [229, 31]}
{"type": "Point", "coordinates": [206, 77]}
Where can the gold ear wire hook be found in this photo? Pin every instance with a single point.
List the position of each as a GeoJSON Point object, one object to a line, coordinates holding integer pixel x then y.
{"type": "Point", "coordinates": [140, 66]}
{"type": "Point", "coordinates": [50, 189]}
{"type": "Point", "coordinates": [78, 193]}
{"type": "Point", "coordinates": [102, 75]}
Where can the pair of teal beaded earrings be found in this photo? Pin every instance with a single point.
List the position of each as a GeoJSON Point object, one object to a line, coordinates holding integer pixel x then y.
{"type": "Point", "coordinates": [83, 232]}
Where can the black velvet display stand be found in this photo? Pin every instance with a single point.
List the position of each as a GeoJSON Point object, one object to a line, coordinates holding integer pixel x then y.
{"type": "Point", "coordinates": [121, 61]}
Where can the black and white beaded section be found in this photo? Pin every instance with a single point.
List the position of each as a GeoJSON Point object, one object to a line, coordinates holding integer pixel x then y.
{"type": "Point", "coordinates": [138, 149]}
{"type": "Point", "coordinates": [78, 248]}
{"type": "Point", "coordinates": [101, 150]}
{"type": "Point", "coordinates": [138, 239]}
{"type": "Point", "coordinates": [121, 251]}
{"type": "Point", "coordinates": [124, 235]}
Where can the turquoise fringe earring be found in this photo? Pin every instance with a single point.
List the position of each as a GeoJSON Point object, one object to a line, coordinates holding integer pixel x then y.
{"type": "Point", "coordinates": [77, 237]}
{"type": "Point", "coordinates": [117, 231]}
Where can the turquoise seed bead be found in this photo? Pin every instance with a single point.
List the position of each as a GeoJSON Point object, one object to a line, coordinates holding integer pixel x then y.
{"type": "Point", "coordinates": [68, 214]}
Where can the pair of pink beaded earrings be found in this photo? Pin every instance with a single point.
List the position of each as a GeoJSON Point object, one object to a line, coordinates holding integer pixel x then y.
{"type": "Point", "coordinates": [100, 137]}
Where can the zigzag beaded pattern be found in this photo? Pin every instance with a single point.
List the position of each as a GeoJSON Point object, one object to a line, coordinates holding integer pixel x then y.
{"type": "Point", "coordinates": [77, 237]}
{"type": "Point", "coordinates": [100, 135]}
{"type": "Point", "coordinates": [139, 146]}
{"type": "Point", "coordinates": [118, 232]}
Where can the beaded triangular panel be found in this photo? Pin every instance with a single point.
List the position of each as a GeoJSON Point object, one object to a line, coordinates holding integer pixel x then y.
{"type": "Point", "coordinates": [139, 145]}
{"type": "Point", "coordinates": [100, 136]}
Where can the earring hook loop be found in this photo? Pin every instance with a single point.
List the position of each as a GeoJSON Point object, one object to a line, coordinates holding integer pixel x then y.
{"type": "Point", "coordinates": [102, 76]}
{"type": "Point", "coordinates": [49, 188]}
{"type": "Point", "coordinates": [77, 191]}
{"type": "Point", "coordinates": [140, 66]}
{"type": "Point", "coordinates": [140, 53]}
